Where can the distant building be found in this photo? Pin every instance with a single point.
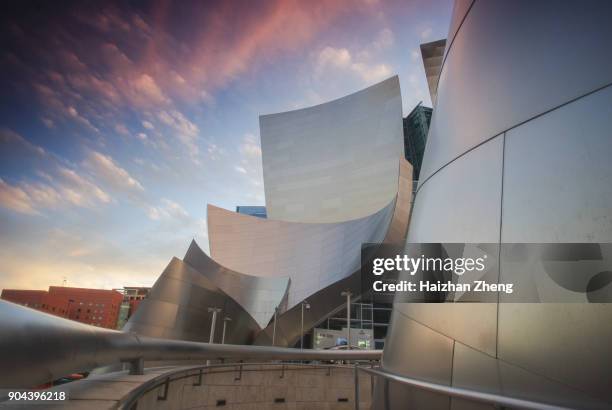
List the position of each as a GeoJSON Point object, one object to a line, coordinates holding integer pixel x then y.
{"type": "Point", "coordinates": [132, 296]}
{"type": "Point", "coordinates": [258, 211]}
{"type": "Point", "coordinates": [96, 307]}
{"type": "Point", "coordinates": [416, 127]}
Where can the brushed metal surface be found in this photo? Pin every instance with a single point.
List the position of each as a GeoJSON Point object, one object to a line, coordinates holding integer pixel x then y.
{"type": "Point", "coordinates": [510, 61]}
{"type": "Point", "coordinates": [177, 308]}
{"type": "Point", "coordinates": [557, 175]}
{"type": "Point", "coordinates": [418, 351]}
{"type": "Point", "coordinates": [314, 256]}
{"type": "Point", "coordinates": [328, 300]}
{"type": "Point", "coordinates": [336, 161]}
{"type": "Point", "coordinates": [477, 371]}
{"type": "Point", "coordinates": [258, 295]}
{"type": "Point", "coordinates": [461, 203]}
{"type": "Point", "coordinates": [530, 79]}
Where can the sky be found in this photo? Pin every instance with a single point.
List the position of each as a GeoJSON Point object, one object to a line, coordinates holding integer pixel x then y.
{"type": "Point", "coordinates": [120, 122]}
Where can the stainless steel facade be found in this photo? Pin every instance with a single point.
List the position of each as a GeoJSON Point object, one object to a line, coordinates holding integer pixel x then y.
{"type": "Point", "coordinates": [328, 300]}
{"type": "Point", "coordinates": [534, 167]}
{"type": "Point", "coordinates": [336, 161]}
{"type": "Point", "coordinates": [258, 295]}
{"type": "Point", "coordinates": [313, 255]}
{"type": "Point", "coordinates": [177, 308]}
{"type": "Point", "coordinates": [334, 178]}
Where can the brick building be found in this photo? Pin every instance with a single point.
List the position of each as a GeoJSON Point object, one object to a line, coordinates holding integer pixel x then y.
{"type": "Point", "coordinates": [132, 296]}
{"type": "Point", "coordinates": [96, 307]}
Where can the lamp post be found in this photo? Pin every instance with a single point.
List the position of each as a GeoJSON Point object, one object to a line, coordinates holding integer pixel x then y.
{"type": "Point", "coordinates": [306, 305]}
{"type": "Point", "coordinates": [214, 311]}
{"type": "Point", "coordinates": [348, 295]}
{"type": "Point", "coordinates": [274, 326]}
{"type": "Point", "coordinates": [225, 320]}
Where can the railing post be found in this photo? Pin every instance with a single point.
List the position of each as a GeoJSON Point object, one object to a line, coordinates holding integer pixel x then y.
{"type": "Point", "coordinates": [136, 366]}
{"type": "Point", "coordinates": [199, 381]}
{"type": "Point", "coordinates": [356, 375]}
{"type": "Point", "coordinates": [239, 377]}
{"type": "Point", "coordinates": [164, 395]}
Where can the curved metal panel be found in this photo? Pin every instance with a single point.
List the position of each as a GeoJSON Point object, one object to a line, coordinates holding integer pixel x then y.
{"type": "Point", "coordinates": [328, 300]}
{"type": "Point", "coordinates": [398, 227]}
{"type": "Point", "coordinates": [511, 61]}
{"type": "Point", "coordinates": [557, 175]}
{"type": "Point", "coordinates": [461, 203]}
{"type": "Point", "coordinates": [557, 189]}
{"type": "Point", "coordinates": [314, 256]}
{"type": "Point", "coordinates": [460, 10]}
{"type": "Point", "coordinates": [516, 116]}
{"type": "Point", "coordinates": [259, 296]}
{"type": "Point", "coordinates": [336, 161]}
{"type": "Point", "coordinates": [177, 308]}
{"type": "Point", "coordinates": [475, 370]}
{"type": "Point", "coordinates": [447, 209]}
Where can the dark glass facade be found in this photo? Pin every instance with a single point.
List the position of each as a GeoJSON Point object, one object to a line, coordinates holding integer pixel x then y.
{"type": "Point", "coordinates": [416, 127]}
{"type": "Point", "coordinates": [258, 211]}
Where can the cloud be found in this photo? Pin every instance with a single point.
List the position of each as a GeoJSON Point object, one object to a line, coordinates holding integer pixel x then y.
{"type": "Point", "coordinates": [79, 190]}
{"type": "Point", "coordinates": [122, 129]}
{"type": "Point", "coordinates": [384, 40]}
{"type": "Point", "coordinates": [184, 130]}
{"type": "Point", "coordinates": [16, 199]}
{"type": "Point", "coordinates": [250, 165]}
{"type": "Point", "coordinates": [148, 90]}
{"type": "Point", "coordinates": [341, 58]}
{"type": "Point", "coordinates": [169, 210]}
{"type": "Point", "coordinates": [250, 147]}
{"type": "Point", "coordinates": [426, 33]}
{"type": "Point", "coordinates": [111, 174]}
{"type": "Point", "coordinates": [67, 188]}
{"type": "Point", "coordinates": [52, 184]}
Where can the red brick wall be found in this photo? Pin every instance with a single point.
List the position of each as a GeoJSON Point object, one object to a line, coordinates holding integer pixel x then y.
{"type": "Point", "coordinates": [96, 307]}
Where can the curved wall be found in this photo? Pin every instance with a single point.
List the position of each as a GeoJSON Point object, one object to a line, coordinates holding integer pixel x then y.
{"type": "Point", "coordinates": [177, 308]}
{"type": "Point", "coordinates": [336, 161]}
{"type": "Point", "coordinates": [313, 255]}
{"type": "Point", "coordinates": [328, 300]}
{"type": "Point", "coordinates": [518, 151]}
{"type": "Point", "coordinates": [259, 296]}
{"type": "Point", "coordinates": [511, 61]}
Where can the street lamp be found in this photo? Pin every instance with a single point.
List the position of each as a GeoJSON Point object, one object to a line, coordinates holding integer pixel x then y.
{"type": "Point", "coordinates": [225, 320]}
{"type": "Point", "coordinates": [274, 327]}
{"type": "Point", "coordinates": [306, 305]}
{"type": "Point", "coordinates": [348, 295]}
{"type": "Point", "coordinates": [214, 311]}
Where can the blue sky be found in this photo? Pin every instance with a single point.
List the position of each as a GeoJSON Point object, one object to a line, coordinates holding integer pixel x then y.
{"type": "Point", "coordinates": [119, 123]}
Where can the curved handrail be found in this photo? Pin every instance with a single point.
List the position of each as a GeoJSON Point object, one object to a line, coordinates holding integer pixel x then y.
{"type": "Point", "coordinates": [36, 347]}
{"type": "Point", "coordinates": [459, 392]}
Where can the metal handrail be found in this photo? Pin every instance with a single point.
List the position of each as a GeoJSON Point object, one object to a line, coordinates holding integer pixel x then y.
{"type": "Point", "coordinates": [460, 392]}
{"type": "Point", "coordinates": [36, 348]}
